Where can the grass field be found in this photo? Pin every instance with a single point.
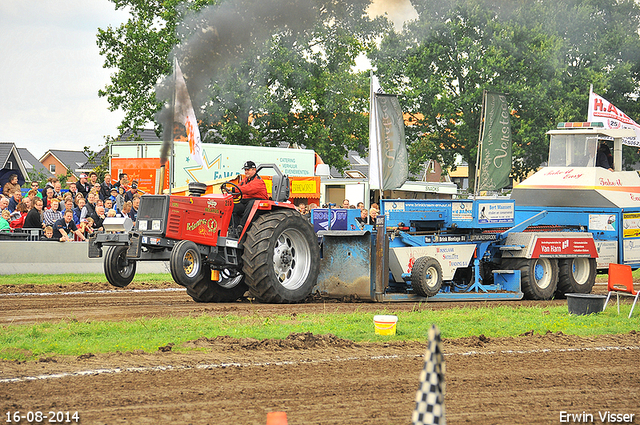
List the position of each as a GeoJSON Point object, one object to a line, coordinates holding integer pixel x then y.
{"type": "Point", "coordinates": [61, 279]}
{"type": "Point", "coordinates": [26, 342]}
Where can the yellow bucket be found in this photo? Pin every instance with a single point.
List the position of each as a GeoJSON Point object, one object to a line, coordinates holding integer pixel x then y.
{"type": "Point", "coordinates": [385, 324]}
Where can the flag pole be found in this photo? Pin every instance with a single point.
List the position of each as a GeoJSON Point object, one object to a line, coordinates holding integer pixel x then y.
{"type": "Point", "coordinates": [476, 180]}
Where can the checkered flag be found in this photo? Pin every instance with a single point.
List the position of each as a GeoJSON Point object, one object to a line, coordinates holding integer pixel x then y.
{"type": "Point", "coordinates": [430, 396]}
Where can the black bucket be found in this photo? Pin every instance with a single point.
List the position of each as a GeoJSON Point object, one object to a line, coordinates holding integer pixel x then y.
{"type": "Point", "coordinates": [581, 304]}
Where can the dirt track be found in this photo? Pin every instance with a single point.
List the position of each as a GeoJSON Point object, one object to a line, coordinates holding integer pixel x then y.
{"type": "Point", "coordinates": [315, 379]}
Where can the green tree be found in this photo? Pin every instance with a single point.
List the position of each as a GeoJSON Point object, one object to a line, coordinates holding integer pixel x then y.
{"type": "Point", "coordinates": [259, 72]}
{"type": "Point", "coordinates": [542, 55]}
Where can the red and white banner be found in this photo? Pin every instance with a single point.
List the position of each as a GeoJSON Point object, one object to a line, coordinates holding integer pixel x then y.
{"type": "Point", "coordinates": [564, 248]}
{"type": "Point", "coordinates": [600, 109]}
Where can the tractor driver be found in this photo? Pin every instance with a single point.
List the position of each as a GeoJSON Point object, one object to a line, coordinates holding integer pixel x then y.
{"type": "Point", "coordinates": [253, 188]}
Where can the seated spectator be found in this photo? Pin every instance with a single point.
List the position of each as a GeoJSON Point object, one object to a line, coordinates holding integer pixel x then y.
{"type": "Point", "coordinates": [4, 221]}
{"type": "Point", "coordinates": [11, 186]}
{"type": "Point", "coordinates": [57, 190]}
{"type": "Point", "coordinates": [111, 213]}
{"type": "Point", "coordinates": [87, 227]}
{"type": "Point", "coordinates": [48, 196]}
{"type": "Point", "coordinates": [18, 222]}
{"type": "Point", "coordinates": [360, 205]}
{"type": "Point", "coordinates": [48, 235]}
{"type": "Point", "coordinates": [16, 198]}
{"type": "Point", "coordinates": [302, 208]}
{"type": "Point", "coordinates": [364, 218]}
{"type": "Point", "coordinates": [4, 202]}
{"type": "Point", "coordinates": [52, 214]}
{"type": "Point", "coordinates": [64, 227]}
{"type": "Point", "coordinates": [34, 216]}
{"type": "Point", "coordinates": [73, 190]}
{"type": "Point", "coordinates": [98, 218]}
{"type": "Point", "coordinates": [36, 186]}
{"type": "Point", "coordinates": [107, 204]}
{"type": "Point", "coordinates": [373, 213]}
{"type": "Point", "coordinates": [77, 212]}
{"type": "Point", "coordinates": [126, 209]}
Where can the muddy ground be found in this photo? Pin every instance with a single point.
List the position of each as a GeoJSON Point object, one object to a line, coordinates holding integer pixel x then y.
{"type": "Point", "coordinates": [315, 379]}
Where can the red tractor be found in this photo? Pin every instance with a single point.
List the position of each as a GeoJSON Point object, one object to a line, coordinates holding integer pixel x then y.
{"type": "Point", "coordinates": [275, 255]}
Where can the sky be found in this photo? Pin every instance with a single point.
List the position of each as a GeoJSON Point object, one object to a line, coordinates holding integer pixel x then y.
{"type": "Point", "coordinates": [51, 71]}
{"type": "Point", "coordinates": [50, 74]}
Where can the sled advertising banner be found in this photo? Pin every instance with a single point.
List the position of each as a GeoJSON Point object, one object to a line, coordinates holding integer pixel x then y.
{"type": "Point", "coordinates": [600, 109]}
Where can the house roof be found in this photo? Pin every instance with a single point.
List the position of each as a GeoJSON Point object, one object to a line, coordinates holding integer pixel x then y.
{"type": "Point", "coordinates": [9, 152]}
{"type": "Point", "coordinates": [73, 160]}
{"type": "Point", "coordinates": [145, 135]}
{"type": "Point", "coordinates": [31, 163]}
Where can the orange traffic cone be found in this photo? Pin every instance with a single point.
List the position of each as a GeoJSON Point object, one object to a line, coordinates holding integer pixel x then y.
{"type": "Point", "coordinates": [277, 418]}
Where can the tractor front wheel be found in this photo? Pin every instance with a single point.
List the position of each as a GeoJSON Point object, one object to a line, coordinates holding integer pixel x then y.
{"type": "Point", "coordinates": [186, 263]}
{"type": "Point", "coordinates": [281, 257]}
{"type": "Point", "coordinates": [117, 267]}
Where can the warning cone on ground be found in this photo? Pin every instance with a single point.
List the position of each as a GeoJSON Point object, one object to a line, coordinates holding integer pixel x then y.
{"type": "Point", "coordinates": [277, 418]}
{"type": "Point", "coordinates": [430, 396]}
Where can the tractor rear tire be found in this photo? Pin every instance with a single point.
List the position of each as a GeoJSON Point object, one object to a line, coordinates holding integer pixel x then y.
{"type": "Point", "coordinates": [117, 268]}
{"type": "Point", "coordinates": [576, 276]}
{"type": "Point", "coordinates": [538, 276]}
{"type": "Point", "coordinates": [227, 289]}
{"type": "Point", "coordinates": [281, 257]}
{"type": "Point", "coordinates": [186, 264]}
{"type": "Point", "coordinates": [426, 276]}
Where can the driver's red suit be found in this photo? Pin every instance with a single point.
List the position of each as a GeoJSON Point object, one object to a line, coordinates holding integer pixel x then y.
{"type": "Point", "coordinates": [253, 188]}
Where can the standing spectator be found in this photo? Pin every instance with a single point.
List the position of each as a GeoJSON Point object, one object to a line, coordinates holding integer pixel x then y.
{"type": "Point", "coordinates": [15, 199]}
{"type": "Point", "coordinates": [134, 209]}
{"type": "Point", "coordinates": [360, 205]}
{"type": "Point", "coordinates": [73, 190]}
{"type": "Point", "coordinates": [302, 208]}
{"type": "Point", "coordinates": [34, 218]}
{"type": "Point", "coordinates": [93, 179]}
{"type": "Point", "coordinates": [90, 206]}
{"type": "Point", "coordinates": [345, 203]}
{"type": "Point", "coordinates": [83, 185]}
{"type": "Point", "coordinates": [4, 221]}
{"type": "Point", "coordinates": [11, 186]}
{"type": "Point", "coordinates": [119, 198]}
{"type": "Point", "coordinates": [51, 215]}
{"type": "Point", "coordinates": [123, 182]}
{"type": "Point", "coordinates": [18, 223]}
{"type": "Point", "coordinates": [63, 228]}
{"type": "Point", "coordinates": [131, 193]}
{"type": "Point", "coordinates": [105, 187]}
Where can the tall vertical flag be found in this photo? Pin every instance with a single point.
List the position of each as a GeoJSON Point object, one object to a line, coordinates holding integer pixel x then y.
{"type": "Point", "coordinates": [388, 159]}
{"type": "Point", "coordinates": [493, 164]}
{"type": "Point", "coordinates": [185, 115]}
{"type": "Point", "coordinates": [600, 109]}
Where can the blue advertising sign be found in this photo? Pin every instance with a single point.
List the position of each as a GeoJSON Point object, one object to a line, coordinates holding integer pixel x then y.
{"type": "Point", "coordinates": [321, 222]}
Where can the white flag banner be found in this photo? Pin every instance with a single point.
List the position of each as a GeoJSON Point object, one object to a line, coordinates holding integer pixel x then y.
{"type": "Point", "coordinates": [375, 146]}
{"type": "Point", "coordinates": [600, 109]}
{"type": "Point", "coordinates": [185, 115]}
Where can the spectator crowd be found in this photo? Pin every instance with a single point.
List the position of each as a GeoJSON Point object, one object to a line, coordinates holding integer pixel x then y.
{"type": "Point", "coordinates": [366, 216]}
{"type": "Point", "coordinates": [66, 214]}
